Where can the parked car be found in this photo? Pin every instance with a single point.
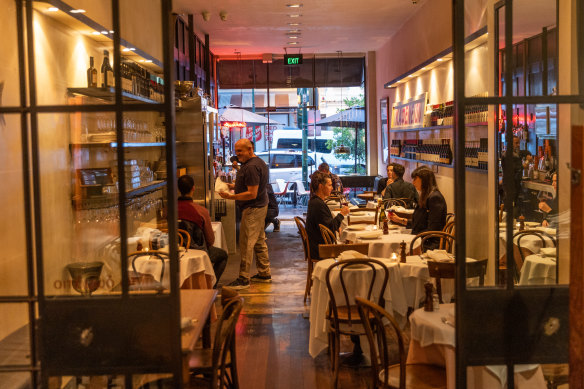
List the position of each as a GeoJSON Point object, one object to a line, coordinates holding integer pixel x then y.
{"type": "Point", "coordinates": [286, 164]}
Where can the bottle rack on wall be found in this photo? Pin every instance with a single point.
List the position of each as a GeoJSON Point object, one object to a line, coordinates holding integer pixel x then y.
{"type": "Point", "coordinates": [109, 94]}
{"type": "Point", "coordinates": [111, 200]}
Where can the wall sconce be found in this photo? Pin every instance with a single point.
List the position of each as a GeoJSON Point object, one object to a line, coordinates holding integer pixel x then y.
{"type": "Point", "coordinates": [223, 15]}
{"type": "Point", "coordinates": [206, 15]}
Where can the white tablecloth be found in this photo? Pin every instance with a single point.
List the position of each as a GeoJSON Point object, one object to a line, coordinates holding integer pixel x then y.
{"type": "Point", "coordinates": [191, 262]}
{"type": "Point", "coordinates": [433, 341]}
{"type": "Point", "coordinates": [383, 246]}
{"type": "Point", "coordinates": [357, 281]}
{"type": "Point", "coordinates": [220, 240]}
{"type": "Point", "coordinates": [538, 270]}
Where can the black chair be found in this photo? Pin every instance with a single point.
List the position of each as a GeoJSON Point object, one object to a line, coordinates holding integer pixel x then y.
{"type": "Point", "coordinates": [445, 241]}
{"type": "Point", "coordinates": [447, 270]}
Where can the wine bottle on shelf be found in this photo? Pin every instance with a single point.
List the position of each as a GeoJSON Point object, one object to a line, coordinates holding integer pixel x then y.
{"type": "Point", "coordinates": [91, 74]}
{"type": "Point", "coordinates": [107, 73]}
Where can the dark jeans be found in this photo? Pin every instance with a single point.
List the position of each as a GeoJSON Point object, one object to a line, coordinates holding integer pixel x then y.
{"type": "Point", "coordinates": [271, 216]}
{"type": "Point", "coordinates": [218, 258]}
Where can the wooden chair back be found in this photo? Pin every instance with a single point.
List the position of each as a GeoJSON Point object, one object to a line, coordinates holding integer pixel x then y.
{"type": "Point", "coordinates": [184, 238]}
{"type": "Point", "coordinates": [141, 281]}
{"type": "Point", "coordinates": [340, 311]}
{"type": "Point", "coordinates": [447, 270]}
{"type": "Point", "coordinates": [450, 227]}
{"type": "Point", "coordinates": [376, 320]}
{"type": "Point", "coordinates": [301, 224]}
{"type": "Point", "coordinates": [449, 217]}
{"type": "Point", "coordinates": [224, 375]}
{"type": "Point", "coordinates": [397, 202]}
{"type": "Point", "coordinates": [334, 250]}
{"type": "Point", "coordinates": [327, 235]}
{"type": "Point", "coordinates": [446, 242]}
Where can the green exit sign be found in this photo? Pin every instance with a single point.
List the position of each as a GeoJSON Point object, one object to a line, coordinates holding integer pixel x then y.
{"type": "Point", "coordinates": [293, 59]}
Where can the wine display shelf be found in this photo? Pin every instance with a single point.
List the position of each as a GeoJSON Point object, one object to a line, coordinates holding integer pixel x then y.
{"type": "Point", "coordinates": [449, 127]}
{"type": "Point", "coordinates": [109, 94]}
{"type": "Point", "coordinates": [111, 200]}
{"type": "Point", "coordinates": [436, 163]}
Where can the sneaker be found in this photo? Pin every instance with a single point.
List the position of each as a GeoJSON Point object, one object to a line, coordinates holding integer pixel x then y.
{"type": "Point", "coordinates": [259, 278]}
{"type": "Point", "coordinates": [276, 225]}
{"type": "Point", "coordinates": [239, 283]}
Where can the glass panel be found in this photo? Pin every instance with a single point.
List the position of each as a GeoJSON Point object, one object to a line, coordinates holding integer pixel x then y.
{"type": "Point", "coordinates": [12, 229]}
{"type": "Point", "coordinates": [15, 380]}
{"type": "Point", "coordinates": [9, 84]}
{"type": "Point", "coordinates": [142, 52]}
{"type": "Point", "coordinates": [535, 50]}
{"type": "Point", "coordinates": [64, 46]}
{"type": "Point", "coordinates": [14, 336]}
{"type": "Point", "coordinates": [499, 54]}
{"type": "Point", "coordinates": [80, 216]}
{"type": "Point", "coordinates": [84, 382]}
{"type": "Point", "coordinates": [541, 198]}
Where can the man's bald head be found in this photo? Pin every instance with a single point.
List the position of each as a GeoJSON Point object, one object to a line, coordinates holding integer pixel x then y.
{"type": "Point", "coordinates": [244, 150]}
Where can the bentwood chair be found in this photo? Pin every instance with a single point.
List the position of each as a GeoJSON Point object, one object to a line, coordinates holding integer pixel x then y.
{"type": "Point", "coordinates": [342, 313]}
{"type": "Point", "coordinates": [450, 227]}
{"type": "Point", "coordinates": [143, 281]}
{"type": "Point", "coordinates": [447, 270]}
{"type": "Point", "coordinates": [445, 241]}
{"type": "Point", "coordinates": [301, 224]}
{"type": "Point", "coordinates": [327, 235]}
{"type": "Point", "coordinates": [217, 367]}
{"type": "Point", "coordinates": [380, 326]}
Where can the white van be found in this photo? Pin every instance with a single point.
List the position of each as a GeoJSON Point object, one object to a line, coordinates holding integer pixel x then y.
{"type": "Point", "coordinates": [286, 164]}
{"type": "Point", "coordinates": [291, 139]}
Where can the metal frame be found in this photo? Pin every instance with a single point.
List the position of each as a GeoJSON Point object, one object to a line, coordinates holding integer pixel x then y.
{"type": "Point", "coordinates": [506, 329]}
{"type": "Point", "coordinates": [33, 216]}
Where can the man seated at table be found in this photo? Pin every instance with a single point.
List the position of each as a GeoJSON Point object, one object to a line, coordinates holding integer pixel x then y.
{"type": "Point", "coordinates": [400, 189]}
{"type": "Point", "coordinates": [384, 182]}
{"type": "Point", "coordinates": [550, 207]}
{"type": "Point", "coordinates": [319, 213]}
{"type": "Point", "coordinates": [196, 221]}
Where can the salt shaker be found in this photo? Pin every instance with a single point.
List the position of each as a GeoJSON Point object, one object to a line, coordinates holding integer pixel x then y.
{"type": "Point", "coordinates": [385, 227]}
{"type": "Point", "coordinates": [521, 223]}
{"type": "Point", "coordinates": [428, 302]}
{"type": "Point", "coordinates": [436, 302]}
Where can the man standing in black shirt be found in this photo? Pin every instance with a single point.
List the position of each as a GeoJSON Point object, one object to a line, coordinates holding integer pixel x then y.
{"type": "Point", "coordinates": [252, 198]}
{"type": "Point", "coordinates": [400, 189]}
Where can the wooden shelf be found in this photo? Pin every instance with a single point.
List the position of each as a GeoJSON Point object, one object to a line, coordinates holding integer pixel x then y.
{"type": "Point", "coordinates": [109, 94]}
{"type": "Point", "coordinates": [111, 200]}
{"type": "Point", "coordinates": [437, 164]}
{"type": "Point", "coordinates": [114, 144]}
{"type": "Point", "coordinates": [449, 127]}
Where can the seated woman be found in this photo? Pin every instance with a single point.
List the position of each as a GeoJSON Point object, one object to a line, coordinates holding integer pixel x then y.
{"type": "Point", "coordinates": [319, 213]}
{"type": "Point", "coordinates": [430, 213]}
{"type": "Point", "coordinates": [550, 207]}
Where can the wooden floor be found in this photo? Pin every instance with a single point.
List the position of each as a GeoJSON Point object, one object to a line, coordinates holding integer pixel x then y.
{"type": "Point", "coordinates": [272, 332]}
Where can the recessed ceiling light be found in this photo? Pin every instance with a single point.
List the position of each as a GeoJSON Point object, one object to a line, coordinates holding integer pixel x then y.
{"type": "Point", "coordinates": [423, 69]}
{"type": "Point", "coordinates": [296, 31]}
{"type": "Point", "coordinates": [129, 49]}
{"type": "Point", "coordinates": [440, 59]}
{"type": "Point", "coordinates": [294, 5]}
{"type": "Point", "coordinates": [148, 60]}
{"type": "Point", "coordinates": [292, 43]}
{"type": "Point", "coordinates": [294, 15]}
{"type": "Point", "coordinates": [411, 75]}
{"type": "Point", "coordinates": [111, 32]}
{"type": "Point", "coordinates": [104, 32]}
{"type": "Point", "coordinates": [294, 24]}
{"type": "Point", "coordinates": [53, 9]}
{"type": "Point", "coordinates": [77, 11]}
{"type": "Point", "coordinates": [96, 33]}
{"type": "Point", "coordinates": [293, 37]}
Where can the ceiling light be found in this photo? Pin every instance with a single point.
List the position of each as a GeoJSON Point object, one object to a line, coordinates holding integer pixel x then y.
{"type": "Point", "coordinates": [111, 32]}
{"type": "Point", "coordinates": [440, 59]}
{"type": "Point", "coordinates": [148, 61]}
{"type": "Point", "coordinates": [294, 24]}
{"type": "Point", "coordinates": [293, 37]}
{"type": "Point", "coordinates": [296, 31]}
{"type": "Point", "coordinates": [423, 69]}
{"type": "Point", "coordinates": [77, 11]}
{"type": "Point", "coordinates": [104, 32]}
{"type": "Point", "coordinates": [53, 9]}
{"type": "Point", "coordinates": [294, 15]}
{"type": "Point", "coordinates": [292, 43]}
{"type": "Point", "coordinates": [294, 5]}
{"type": "Point", "coordinates": [96, 33]}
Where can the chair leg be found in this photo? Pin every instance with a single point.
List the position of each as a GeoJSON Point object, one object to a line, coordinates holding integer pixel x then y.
{"type": "Point", "coordinates": [335, 365]}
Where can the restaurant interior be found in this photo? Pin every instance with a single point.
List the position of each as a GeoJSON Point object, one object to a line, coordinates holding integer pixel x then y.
{"type": "Point", "coordinates": [104, 105]}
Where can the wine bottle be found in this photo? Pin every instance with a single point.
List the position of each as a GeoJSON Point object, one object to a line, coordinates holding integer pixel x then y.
{"type": "Point", "coordinates": [91, 75]}
{"type": "Point", "coordinates": [107, 73]}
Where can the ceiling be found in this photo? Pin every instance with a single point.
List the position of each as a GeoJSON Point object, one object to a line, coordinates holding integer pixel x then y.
{"type": "Point", "coordinates": [254, 27]}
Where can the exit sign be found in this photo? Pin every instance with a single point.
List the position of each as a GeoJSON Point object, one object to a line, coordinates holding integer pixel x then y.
{"type": "Point", "coordinates": [292, 59]}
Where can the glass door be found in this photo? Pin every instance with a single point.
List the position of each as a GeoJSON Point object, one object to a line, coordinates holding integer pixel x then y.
{"type": "Point", "coordinates": [517, 326]}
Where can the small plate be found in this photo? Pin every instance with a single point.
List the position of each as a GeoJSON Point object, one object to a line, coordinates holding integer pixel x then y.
{"type": "Point", "coordinates": [532, 224]}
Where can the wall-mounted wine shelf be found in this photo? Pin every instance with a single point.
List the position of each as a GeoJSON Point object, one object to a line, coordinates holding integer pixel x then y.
{"type": "Point", "coordinates": [436, 163]}
{"type": "Point", "coordinates": [109, 94]}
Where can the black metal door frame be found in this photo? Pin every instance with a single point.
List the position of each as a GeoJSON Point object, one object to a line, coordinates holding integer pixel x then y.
{"type": "Point", "coordinates": [501, 326]}
{"type": "Point", "coordinates": [114, 320]}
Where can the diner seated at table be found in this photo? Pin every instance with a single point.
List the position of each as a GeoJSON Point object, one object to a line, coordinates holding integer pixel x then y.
{"type": "Point", "coordinates": [384, 182]}
{"type": "Point", "coordinates": [196, 221]}
{"type": "Point", "coordinates": [400, 189]}
{"type": "Point", "coordinates": [550, 207]}
{"type": "Point", "coordinates": [430, 213]}
{"type": "Point", "coordinates": [319, 213]}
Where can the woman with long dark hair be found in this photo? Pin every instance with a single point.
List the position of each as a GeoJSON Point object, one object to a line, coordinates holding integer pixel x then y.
{"type": "Point", "coordinates": [319, 213]}
{"type": "Point", "coordinates": [430, 213]}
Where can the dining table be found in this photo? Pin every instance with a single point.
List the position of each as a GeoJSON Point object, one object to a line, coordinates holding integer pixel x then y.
{"type": "Point", "coordinates": [538, 269]}
{"type": "Point", "coordinates": [433, 342]}
{"type": "Point", "coordinates": [531, 242]}
{"type": "Point", "coordinates": [380, 245]}
{"type": "Point", "coordinates": [405, 291]}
